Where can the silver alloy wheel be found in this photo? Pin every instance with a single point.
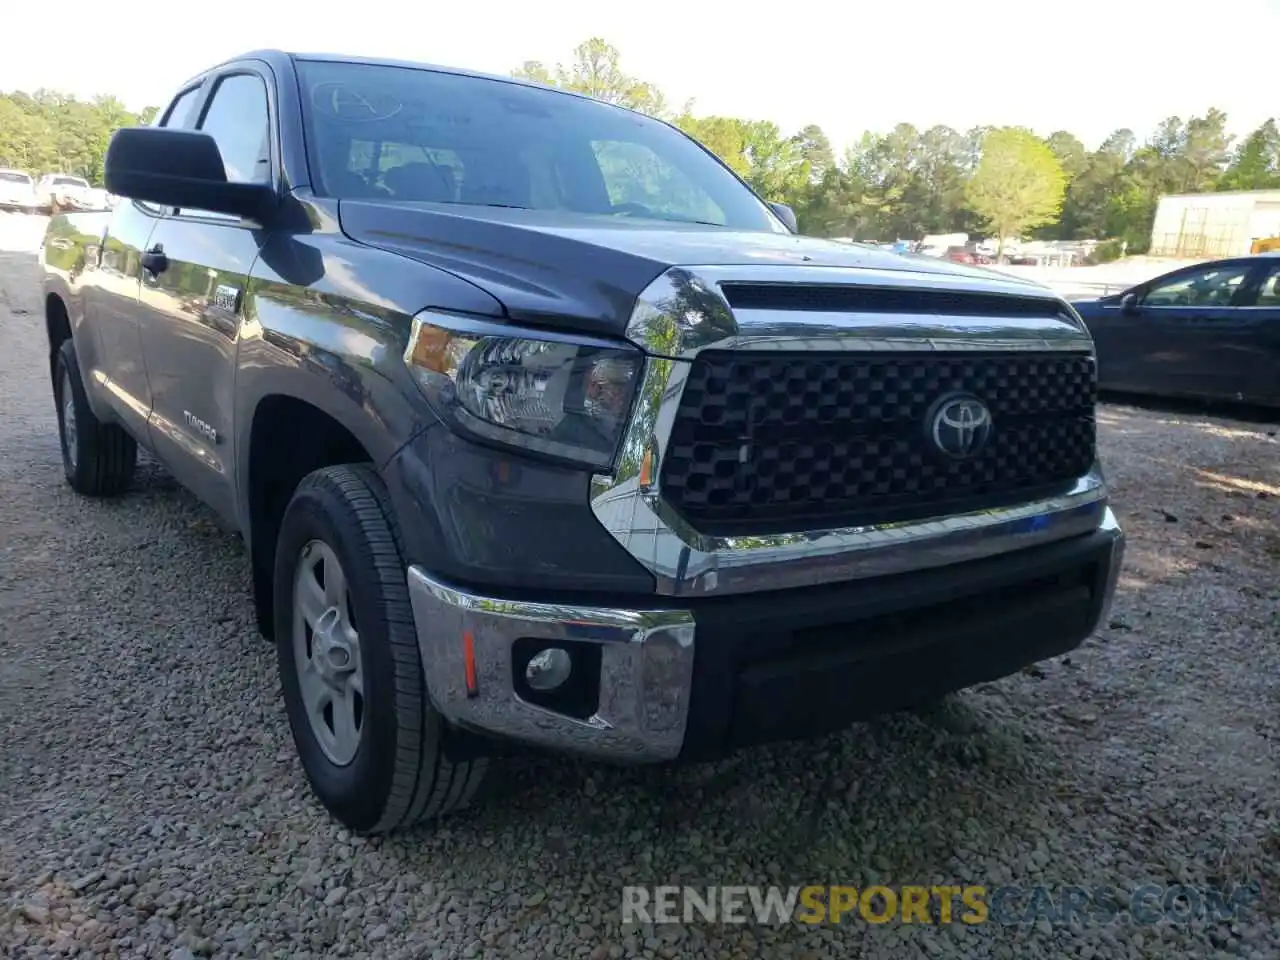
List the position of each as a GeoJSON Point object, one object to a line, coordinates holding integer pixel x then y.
{"type": "Point", "coordinates": [326, 650]}
{"type": "Point", "coordinates": [69, 421]}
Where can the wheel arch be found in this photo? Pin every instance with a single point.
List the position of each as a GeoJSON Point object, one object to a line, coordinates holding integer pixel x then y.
{"type": "Point", "coordinates": [289, 433]}
{"type": "Point", "coordinates": [57, 326]}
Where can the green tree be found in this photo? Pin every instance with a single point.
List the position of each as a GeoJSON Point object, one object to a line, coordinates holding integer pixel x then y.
{"type": "Point", "coordinates": [50, 132]}
{"type": "Point", "coordinates": [882, 164]}
{"type": "Point", "coordinates": [935, 189]}
{"type": "Point", "coordinates": [1019, 183]}
{"type": "Point", "coordinates": [1071, 154]}
{"type": "Point", "coordinates": [1120, 143]}
{"type": "Point", "coordinates": [1256, 163]}
{"type": "Point", "coordinates": [842, 205]}
{"type": "Point", "coordinates": [1084, 210]}
{"type": "Point", "coordinates": [1075, 161]}
{"type": "Point", "coordinates": [26, 140]}
{"type": "Point", "coordinates": [906, 182]}
{"type": "Point", "coordinates": [815, 151]}
{"type": "Point", "coordinates": [1158, 167]}
{"type": "Point", "coordinates": [596, 70]}
{"type": "Point", "coordinates": [726, 137]}
{"type": "Point", "coordinates": [777, 169]}
{"type": "Point", "coordinates": [1202, 154]}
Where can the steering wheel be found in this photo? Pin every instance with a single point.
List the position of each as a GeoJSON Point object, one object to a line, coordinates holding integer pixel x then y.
{"type": "Point", "coordinates": [631, 210]}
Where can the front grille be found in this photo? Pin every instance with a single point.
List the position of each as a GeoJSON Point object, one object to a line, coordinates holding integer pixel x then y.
{"type": "Point", "coordinates": [789, 442]}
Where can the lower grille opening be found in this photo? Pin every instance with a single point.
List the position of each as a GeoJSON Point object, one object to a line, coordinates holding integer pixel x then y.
{"type": "Point", "coordinates": [824, 678]}
{"type": "Point", "coordinates": [909, 630]}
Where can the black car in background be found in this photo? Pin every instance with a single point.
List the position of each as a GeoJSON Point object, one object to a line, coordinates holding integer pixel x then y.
{"type": "Point", "coordinates": [1211, 331]}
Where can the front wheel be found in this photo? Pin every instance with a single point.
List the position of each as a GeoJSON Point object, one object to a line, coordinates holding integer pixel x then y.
{"type": "Point", "coordinates": [369, 740]}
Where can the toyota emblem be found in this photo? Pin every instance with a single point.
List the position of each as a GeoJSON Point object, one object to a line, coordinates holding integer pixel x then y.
{"type": "Point", "coordinates": [959, 426]}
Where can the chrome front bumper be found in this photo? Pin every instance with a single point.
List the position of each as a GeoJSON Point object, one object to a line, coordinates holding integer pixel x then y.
{"type": "Point", "coordinates": [646, 670]}
{"type": "Point", "coordinates": [646, 666]}
{"type": "Point", "coordinates": [1111, 525]}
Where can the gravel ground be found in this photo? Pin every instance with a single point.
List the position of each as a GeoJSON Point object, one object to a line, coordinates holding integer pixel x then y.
{"type": "Point", "coordinates": [151, 805]}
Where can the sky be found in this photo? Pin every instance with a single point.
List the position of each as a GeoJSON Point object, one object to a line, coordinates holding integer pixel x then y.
{"type": "Point", "coordinates": [1088, 66]}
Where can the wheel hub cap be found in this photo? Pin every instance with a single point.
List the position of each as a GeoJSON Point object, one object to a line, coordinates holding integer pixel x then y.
{"type": "Point", "coordinates": [68, 422]}
{"type": "Point", "coordinates": [330, 650]}
{"type": "Point", "coordinates": [326, 647]}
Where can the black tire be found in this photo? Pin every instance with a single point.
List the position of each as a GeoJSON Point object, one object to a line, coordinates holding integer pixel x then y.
{"type": "Point", "coordinates": [399, 774]}
{"type": "Point", "coordinates": [100, 458]}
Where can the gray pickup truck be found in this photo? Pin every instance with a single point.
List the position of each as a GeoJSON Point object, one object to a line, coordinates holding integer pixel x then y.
{"type": "Point", "coordinates": [542, 428]}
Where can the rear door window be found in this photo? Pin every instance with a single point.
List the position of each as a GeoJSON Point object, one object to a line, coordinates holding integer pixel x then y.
{"type": "Point", "coordinates": [179, 112]}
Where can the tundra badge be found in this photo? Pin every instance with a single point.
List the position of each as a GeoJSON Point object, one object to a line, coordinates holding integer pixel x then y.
{"type": "Point", "coordinates": [197, 424]}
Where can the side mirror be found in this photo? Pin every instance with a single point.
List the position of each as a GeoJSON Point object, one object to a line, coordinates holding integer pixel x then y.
{"type": "Point", "coordinates": [180, 168]}
{"type": "Point", "coordinates": [1129, 303]}
{"type": "Point", "coordinates": [786, 215]}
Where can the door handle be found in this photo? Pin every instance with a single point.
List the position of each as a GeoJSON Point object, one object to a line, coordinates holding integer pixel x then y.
{"type": "Point", "coordinates": [154, 260]}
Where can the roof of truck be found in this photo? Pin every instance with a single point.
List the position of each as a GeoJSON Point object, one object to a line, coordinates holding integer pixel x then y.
{"type": "Point", "coordinates": [277, 57]}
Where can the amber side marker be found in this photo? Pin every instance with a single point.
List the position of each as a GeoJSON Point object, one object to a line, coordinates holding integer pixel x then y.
{"type": "Point", "coordinates": [646, 470]}
{"type": "Point", "coordinates": [469, 662]}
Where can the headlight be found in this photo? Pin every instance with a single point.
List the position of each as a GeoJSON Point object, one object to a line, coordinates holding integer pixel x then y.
{"type": "Point", "coordinates": [560, 395]}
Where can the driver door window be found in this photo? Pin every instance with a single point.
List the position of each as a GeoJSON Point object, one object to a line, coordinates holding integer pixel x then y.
{"type": "Point", "coordinates": [236, 118]}
{"type": "Point", "coordinates": [1211, 287]}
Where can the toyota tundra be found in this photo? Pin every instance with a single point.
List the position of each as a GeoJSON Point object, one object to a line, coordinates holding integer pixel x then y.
{"type": "Point", "coordinates": [542, 428]}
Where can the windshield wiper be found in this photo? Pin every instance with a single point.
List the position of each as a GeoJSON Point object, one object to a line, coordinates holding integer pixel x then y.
{"type": "Point", "coordinates": [469, 203]}
{"type": "Point", "coordinates": [517, 206]}
{"type": "Point", "coordinates": [701, 223]}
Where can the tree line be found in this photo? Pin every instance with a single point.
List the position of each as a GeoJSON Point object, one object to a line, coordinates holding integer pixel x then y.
{"type": "Point", "coordinates": [899, 184]}
{"type": "Point", "coordinates": [49, 132]}
{"type": "Point", "coordinates": [907, 182]}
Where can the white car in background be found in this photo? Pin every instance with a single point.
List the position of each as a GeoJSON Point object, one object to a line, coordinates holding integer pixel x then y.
{"type": "Point", "coordinates": [61, 191]}
{"type": "Point", "coordinates": [18, 191]}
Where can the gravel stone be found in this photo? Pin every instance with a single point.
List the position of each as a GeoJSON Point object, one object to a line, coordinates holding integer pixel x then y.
{"type": "Point", "coordinates": [152, 805]}
{"type": "Point", "coordinates": [335, 896]}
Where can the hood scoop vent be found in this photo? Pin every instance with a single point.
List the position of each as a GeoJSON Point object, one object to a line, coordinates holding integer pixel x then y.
{"type": "Point", "coordinates": [847, 298]}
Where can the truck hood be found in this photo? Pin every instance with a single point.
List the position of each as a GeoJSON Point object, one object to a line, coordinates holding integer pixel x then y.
{"type": "Point", "coordinates": [584, 272]}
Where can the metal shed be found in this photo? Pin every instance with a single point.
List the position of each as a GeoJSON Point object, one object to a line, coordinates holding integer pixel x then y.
{"type": "Point", "coordinates": [1214, 224]}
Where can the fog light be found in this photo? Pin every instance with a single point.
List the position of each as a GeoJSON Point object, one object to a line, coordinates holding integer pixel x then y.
{"type": "Point", "coordinates": [548, 669]}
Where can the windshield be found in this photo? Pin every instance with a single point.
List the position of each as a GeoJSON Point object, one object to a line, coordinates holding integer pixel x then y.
{"type": "Point", "coordinates": [69, 182]}
{"type": "Point", "coordinates": [401, 133]}
{"type": "Point", "coordinates": [14, 176]}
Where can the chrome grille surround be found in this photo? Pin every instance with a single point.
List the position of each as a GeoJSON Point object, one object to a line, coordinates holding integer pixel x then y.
{"type": "Point", "coordinates": [685, 312]}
